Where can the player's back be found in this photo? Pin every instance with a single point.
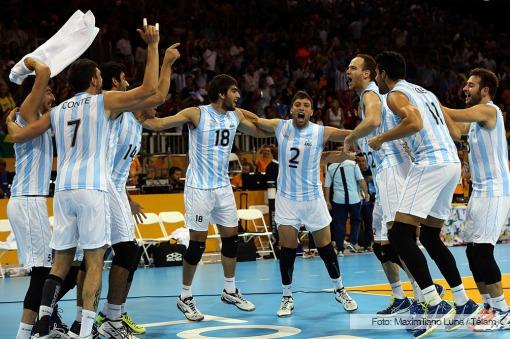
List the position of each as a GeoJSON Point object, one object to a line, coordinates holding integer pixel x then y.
{"type": "Point", "coordinates": [433, 143]}
{"type": "Point", "coordinates": [82, 137]}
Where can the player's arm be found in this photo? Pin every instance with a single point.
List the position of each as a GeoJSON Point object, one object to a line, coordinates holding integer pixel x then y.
{"type": "Point", "coordinates": [372, 120]}
{"type": "Point", "coordinates": [30, 106]}
{"type": "Point", "coordinates": [32, 130]}
{"type": "Point", "coordinates": [247, 126]}
{"type": "Point", "coordinates": [191, 114]}
{"type": "Point", "coordinates": [171, 55]}
{"type": "Point", "coordinates": [336, 156]}
{"type": "Point", "coordinates": [335, 134]}
{"type": "Point", "coordinates": [136, 210]}
{"type": "Point", "coordinates": [266, 125]}
{"type": "Point", "coordinates": [116, 102]}
{"type": "Point", "coordinates": [483, 114]}
{"type": "Point", "coordinates": [410, 123]}
{"type": "Point", "coordinates": [455, 129]}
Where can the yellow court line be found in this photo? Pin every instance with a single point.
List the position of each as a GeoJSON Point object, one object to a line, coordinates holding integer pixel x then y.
{"type": "Point", "coordinates": [468, 282]}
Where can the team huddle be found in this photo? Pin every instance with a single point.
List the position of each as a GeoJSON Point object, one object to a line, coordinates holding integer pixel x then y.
{"type": "Point", "coordinates": [409, 134]}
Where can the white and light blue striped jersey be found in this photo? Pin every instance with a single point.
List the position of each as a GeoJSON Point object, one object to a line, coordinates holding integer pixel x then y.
{"type": "Point", "coordinates": [81, 130]}
{"type": "Point", "coordinates": [488, 158]}
{"type": "Point", "coordinates": [433, 143]}
{"type": "Point", "coordinates": [299, 155]}
{"type": "Point", "coordinates": [125, 143]}
{"type": "Point", "coordinates": [34, 161]}
{"type": "Point", "coordinates": [210, 144]}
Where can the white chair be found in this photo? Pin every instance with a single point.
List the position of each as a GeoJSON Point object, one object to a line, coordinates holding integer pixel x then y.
{"type": "Point", "coordinates": [5, 227]}
{"type": "Point", "coordinates": [172, 221]}
{"type": "Point", "coordinates": [261, 230]}
{"type": "Point", "coordinates": [262, 208]}
{"type": "Point", "coordinates": [152, 222]}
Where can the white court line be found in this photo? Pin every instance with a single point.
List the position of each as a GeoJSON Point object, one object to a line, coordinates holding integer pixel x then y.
{"type": "Point", "coordinates": [340, 336]}
{"type": "Point", "coordinates": [206, 318]}
{"type": "Point", "coordinates": [360, 272]}
{"type": "Point", "coordinates": [263, 279]}
{"type": "Point", "coordinates": [356, 292]}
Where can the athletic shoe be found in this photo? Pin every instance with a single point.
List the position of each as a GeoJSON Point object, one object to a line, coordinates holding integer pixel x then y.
{"type": "Point", "coordinates": [56, 322]}
{"type": "Point", "coordinates": [436, 315]}
{"type": "Point", "coordinates": [343, 297]}
{"type": "Point", "coordinates": [100, 318]}
{"type": "Point", "coordinates": [238, 300]}
{"type": "Point", "coordinates": [416, 312]}
{"type": "Point", "coordinates": [463, 315]}
{"type": "Point", "coordinates": [286, 307]}
{"type": "Point", "coordinates": [74, 331]}
{"type": "Point", "coordinates": [500, 321]}
{"type": "Point", "coordinates": [53, 334]}
{"type": "Point", "coordinates": [440, 290]}
{"type": "Point", "coordinates": [189, 309]}
{"type": "Point", "coordinates": [131, 325]}
{"type": "Point", "coordinates": [486, 314]}
{"type": "Point", "coordinates": [115, 329]}
{"type": "Point", "coordinates": [398, 306]}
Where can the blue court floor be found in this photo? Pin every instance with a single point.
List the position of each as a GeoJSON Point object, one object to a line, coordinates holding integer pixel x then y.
{"type": "Point", "coordinates": [316, 314]}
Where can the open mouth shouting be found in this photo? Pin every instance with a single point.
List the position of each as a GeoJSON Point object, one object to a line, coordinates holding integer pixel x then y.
{"type": "Point", "coordinates": [301, 117]}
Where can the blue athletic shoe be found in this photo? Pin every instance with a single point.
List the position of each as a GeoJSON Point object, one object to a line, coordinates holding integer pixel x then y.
{"type": "Point", "coordinates": [398, 306]}
{"type": "Point", "coordinates": [436, 315]}
{"type": "Point", "coordinates": [416, 312]}
{"type": "Point", "coordinates": [463, 315]}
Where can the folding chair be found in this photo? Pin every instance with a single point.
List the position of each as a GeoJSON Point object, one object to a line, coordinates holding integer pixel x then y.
{"type": "Point", "coordinates": [150, 232]}
{"type": "Point", "coordinates": [261, 230]}
{"type": "Point", "coordinates": [172, 221]}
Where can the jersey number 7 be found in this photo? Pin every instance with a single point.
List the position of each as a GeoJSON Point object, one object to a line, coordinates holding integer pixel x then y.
{"type": "Point", "coordinates": [77, 125]}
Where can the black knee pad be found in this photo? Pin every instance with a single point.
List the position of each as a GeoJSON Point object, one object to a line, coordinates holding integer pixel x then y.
{"type": "Point", "coordinates": [125, 254]}
{"type": "Point", "coordinates": [229, 246]}
{"type": "Point", "coordinates": [401, 232]}
{"type": "Point", "coordinates": [328, 255]}
{"type": "Point", "coordinates": [474, 262]}
{"type": "Point", "coordinates": [133, 269]}
{"type": "Point", "coordinates": [194, 252]}
{"type": "Point", "coordinates": [33, 296]}
{"type": "Point", "coordinates": [69, 281]}
{"type": "Point", "coordinates": [488, 266]}
{"type": "Point", "coordinates": [379, 252]}
{"type": "Point", "coordinates": [390, 254]}
{"type": "Point", "coordinates": [430, 237]}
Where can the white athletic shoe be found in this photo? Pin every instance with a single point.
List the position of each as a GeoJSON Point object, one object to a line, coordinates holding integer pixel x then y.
{"type": "Point", "coordinates": [189, 308]}
{"type": "Point", "coordinates": [498, 322]}
{"type": "Point", "coordinates": [342, 297]}
{"type": "Point", "coordinates": [52, 335]}
{"type": "Point", "coordinates": [114, 329]}
{"type": "Point", "coordinates": [238, 300]}
{"type": "Point", "coordinates": [286, 307]}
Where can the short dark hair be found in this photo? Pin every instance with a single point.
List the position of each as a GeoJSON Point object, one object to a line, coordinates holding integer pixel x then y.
{"type": "Point", "coordinates": [487, 79]}
{"type": "Point", "coordinates": [220, 85]}
{"type": "Point", "coordinates": [301, 95]}
{"type": "Point", "coordinates": [80, 74]}
{"type": "Point", "coordinates": [392, 63]}
{"type": "Point", "coordinates": [174, 169]}
{"type": "Point", "coordinates": [369, 64]}
{"type": "Point", "coordinates": [111, 70]}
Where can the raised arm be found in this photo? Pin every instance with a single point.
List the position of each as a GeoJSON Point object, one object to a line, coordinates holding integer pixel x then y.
{"type": "Point", "coordinates": [335, 134]}
{"type": "Point", "coordinates": [30, 106]}
{"type": "Point", "coordinates": [117, 102]}
{"type": "Point", "coordinates": [32, 130]}
{"type": "Point", "coordinates": [456, 129]}
{"type": "Point", "coordinates": [372, 120]}
{"type": "Point", "coordinates": [483, 114]}
{"type": "Point", "coordinates": [266, 125]}
{"type": "Point", "coordinates": [247, 126]}
{"type": "Point", "coordinates": [171, 55]}
{"type": "Point", "coordinates": [191, 114]}
{"type": "Point", "coordinates": [410, 123]}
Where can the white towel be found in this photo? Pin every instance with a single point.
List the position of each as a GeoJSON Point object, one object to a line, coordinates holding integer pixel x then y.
{"type": "Point", "coordinates": [63, 48]}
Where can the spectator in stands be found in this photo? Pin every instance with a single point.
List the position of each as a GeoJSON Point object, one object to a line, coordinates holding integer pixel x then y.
{"type": "Point", "coordinates": [264, 158]}
{"type": "Point", "coordinates": [4, 180]}
{"type": "Point", "coordinates": [175, 175]}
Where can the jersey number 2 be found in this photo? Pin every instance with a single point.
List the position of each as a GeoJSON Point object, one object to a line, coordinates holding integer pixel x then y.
{"type": "Point", "coordinates": [293, 163]}
{"type": "Point", "coordinates": [77, 125]}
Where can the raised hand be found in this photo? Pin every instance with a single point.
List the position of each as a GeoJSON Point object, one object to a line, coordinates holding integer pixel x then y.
{"type": "Point", "coordinates": [149, 34]}
{"type": "Point", "coordinates": [172, 53]}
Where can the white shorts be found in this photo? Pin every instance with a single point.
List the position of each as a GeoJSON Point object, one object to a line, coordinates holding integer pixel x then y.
{"type": "Point", "coordinates": [428, 190]}
{"type": "Point", "coordinates": [378, 224]}
{"type": "Point", "coordinates": [122, 222]}
{"type": "Point", "coordinates": [82, 217]}
{"type": "Point", "coordinates": [390, 184]}
{"type": "Point", "coordinates": [29, 220]}
{"type": "Point", "coordinates": [313, 214]}
{"type": "Point", "coordinates": [485, 218]}
{"type": "Point", "coordinates": [215, 206]}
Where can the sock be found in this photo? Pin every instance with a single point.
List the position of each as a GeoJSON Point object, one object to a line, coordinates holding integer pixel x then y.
{"type": "Point", "coordinates": [45, 311]}
{"type": "Point", "coordinates": [24, 331]}
{"type": "Point", "coordinates": [459, 294]}
{"type": "Point", "coordinates": [417, 292]}
{"type": "Point", "coordinates": [87, 321]}
{"type": "Point", "coordinates": [486, 299]}
{"type": "Point", "coordinates": [105, 308]}
{"type": "Point", "coordinates": [499, 303]}
{"type": "Point", "coordinates": [287, 290]}
{"type": "Point", "coordinates": [185, 292]}
{"type": "Point", "coordinates": [431, 296]}
{"type": "Point", "coordinates": [123, 308]}
{"type": "Point", "coordinates": [229, 284]}
{"type": "Point", "coordinates": [79, 313]}
{"type": "Point", "coordinates": [114, 312]}
{"type": "Point", "coordinates": [397, 290]}
{"type": "Point", "coordinates": [338, 283]}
